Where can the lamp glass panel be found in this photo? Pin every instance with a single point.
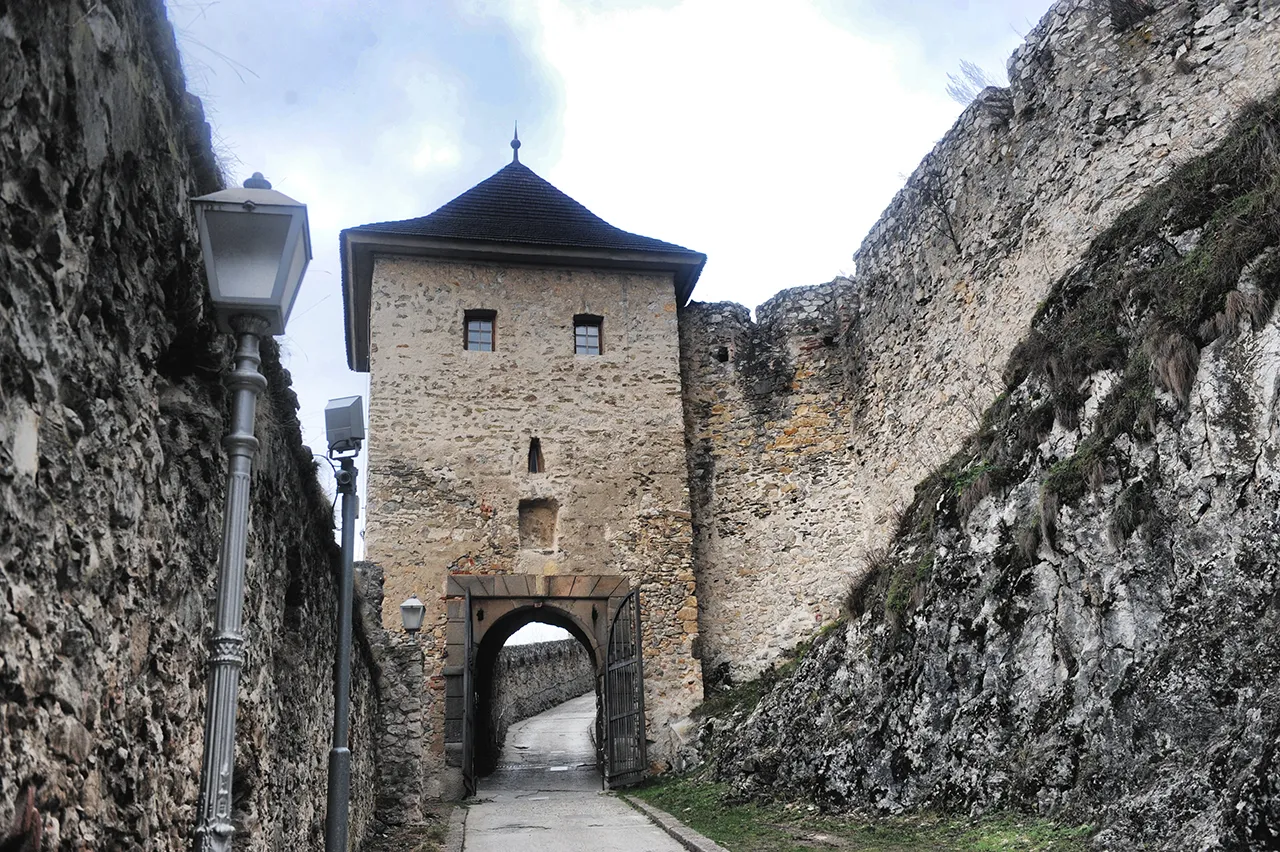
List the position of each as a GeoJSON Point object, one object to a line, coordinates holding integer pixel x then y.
{"type": "Point", "coordinates": [247, 251]}
{"type": "Point", "coordinates": [297, 268]}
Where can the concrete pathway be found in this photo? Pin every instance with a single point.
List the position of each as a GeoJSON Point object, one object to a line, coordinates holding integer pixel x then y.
{"type": "Point", "coordinates": [545, 795]}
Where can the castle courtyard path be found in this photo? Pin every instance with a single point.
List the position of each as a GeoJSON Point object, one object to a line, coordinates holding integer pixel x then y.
{"type": "Point", "coordinates": [545, 795]}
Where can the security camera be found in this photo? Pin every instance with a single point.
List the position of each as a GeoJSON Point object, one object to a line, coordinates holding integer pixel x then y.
{"type": "Point", "coordinates": [344, 424]}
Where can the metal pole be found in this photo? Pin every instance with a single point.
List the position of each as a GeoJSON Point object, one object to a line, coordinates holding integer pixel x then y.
{"type": "Point", "coordinates": [335, 821]}
{"type": "Point", "coordinates": [226, 646]}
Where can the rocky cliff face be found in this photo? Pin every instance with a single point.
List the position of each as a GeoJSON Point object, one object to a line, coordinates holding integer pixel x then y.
{"type": "Point", "coordinates": [111, 473]}
{"type": "Point", "coordinates": [1078, 614]}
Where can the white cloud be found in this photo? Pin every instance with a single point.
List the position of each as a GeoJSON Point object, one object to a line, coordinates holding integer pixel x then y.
{"type": "Point", "coordinates": [433, 155]}
{"type": "Point", "coordinates": [759, 133]}
{"type": "Point", "coordinates": [769, 135]}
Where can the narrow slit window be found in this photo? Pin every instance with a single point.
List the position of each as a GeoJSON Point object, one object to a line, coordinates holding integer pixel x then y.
{"type": "Point", "coordinates": [586, 334]}
{"type": "Point", "coordinates": [536, 464]}
{"type": "Point", "coordinates": [478, 329]}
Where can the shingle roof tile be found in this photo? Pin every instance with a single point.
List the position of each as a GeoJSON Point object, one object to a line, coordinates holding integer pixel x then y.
{"type": "Point", "coordinates": [517, 206]}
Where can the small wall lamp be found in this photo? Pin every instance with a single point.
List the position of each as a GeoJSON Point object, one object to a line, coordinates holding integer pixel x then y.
{"type": "Point", "coordinates": [412, 612]}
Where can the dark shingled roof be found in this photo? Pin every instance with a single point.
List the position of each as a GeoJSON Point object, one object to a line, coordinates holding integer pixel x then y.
{"type": "Point", "coordinates": [517, 206]}
{"type": "Point", "coordinates": [513, 217]}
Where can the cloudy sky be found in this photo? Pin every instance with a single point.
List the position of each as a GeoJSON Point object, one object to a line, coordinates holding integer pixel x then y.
{"type": "Point", "coordinates": [768, 134]}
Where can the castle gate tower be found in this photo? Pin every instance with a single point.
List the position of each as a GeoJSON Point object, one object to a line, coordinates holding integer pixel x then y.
{"type": "Point", "coordinates": [526, 452]}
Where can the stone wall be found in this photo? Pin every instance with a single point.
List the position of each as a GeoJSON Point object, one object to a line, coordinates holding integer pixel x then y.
{"type": "Point", "coordinates": [450, 431]}
{"type": "Point", "coordinates": [111, 473]}
{"type": "Point", "coordinates": [402, 776]}
{"type": "Point", "coordinates": [807, 440]}
{"type": "Point", "coordinates": [529, 679]}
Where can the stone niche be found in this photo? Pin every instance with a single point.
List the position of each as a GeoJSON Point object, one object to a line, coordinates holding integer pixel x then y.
{"type": "Point", "coordinates": [538, 524]}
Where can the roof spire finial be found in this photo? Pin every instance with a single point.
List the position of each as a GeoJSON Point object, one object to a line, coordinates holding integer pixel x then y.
{"type": "Point", "coordinates": [515, 145]}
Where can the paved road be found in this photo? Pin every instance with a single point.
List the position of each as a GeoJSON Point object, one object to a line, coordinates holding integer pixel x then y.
{"type": "Point", "coordinates": [545, 796]}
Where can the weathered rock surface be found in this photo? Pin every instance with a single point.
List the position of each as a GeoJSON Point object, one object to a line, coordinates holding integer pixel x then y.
{"type": "Point", "coordinates": [111, 473]}
{"type": "Point", "coordinates": [1079, 612]}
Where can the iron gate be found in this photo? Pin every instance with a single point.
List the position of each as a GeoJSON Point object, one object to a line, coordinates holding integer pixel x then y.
{"type": "Point", "coordinates": [468, 703]}
{"type": "Point", "coordinates": [626, 750]}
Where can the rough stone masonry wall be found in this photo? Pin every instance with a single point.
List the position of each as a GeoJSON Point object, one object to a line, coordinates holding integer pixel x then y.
{"type": "Point", "coordinates": [111, 473]}
{"type": "Point", "coordinates": [448, 453]}
{"type": "Point", "coordinates": [804, 444]}
{"type": "Point", "coordinates": [529, 679]}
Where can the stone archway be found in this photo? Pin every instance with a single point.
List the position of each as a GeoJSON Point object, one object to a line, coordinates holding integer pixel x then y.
{"type": "Point", "coordinates": [486, 658]}
{"type": "Point", "coordinates": [499, 605]}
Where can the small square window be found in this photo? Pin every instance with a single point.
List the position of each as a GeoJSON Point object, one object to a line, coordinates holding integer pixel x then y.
{"type": "Point", "coordinates": [586, 334]}
{"type": "Point", "coordinates": [478, 331]}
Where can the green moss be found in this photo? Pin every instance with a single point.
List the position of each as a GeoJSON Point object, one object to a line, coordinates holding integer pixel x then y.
{"type": "Point", "coordinates": [1071, 478]}
{"type": "Point", "coordinates": [967, 478]}
{"type": "Point", "coordinates": [743, 696]}
{"type": "Point", "coordinates": [899, 593]}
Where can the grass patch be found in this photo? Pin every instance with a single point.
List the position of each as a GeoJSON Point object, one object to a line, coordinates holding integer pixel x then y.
{"type": "Point", "coordinates": [1147, 299]}
{"type": "Point", "coordinates": [778, 827]}
{"type": "Point", "coordinates": [1141, 301]}
{"type": "Point", "coordinates": [875, 564]}
{"type": "Point", "coordinates": [906, 582]}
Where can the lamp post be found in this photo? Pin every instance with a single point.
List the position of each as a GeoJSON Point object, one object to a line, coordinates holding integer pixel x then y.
{"type": "Point", "coordinates": [256, 246]}
{"type": "Point", "coordinates": [344, 428]}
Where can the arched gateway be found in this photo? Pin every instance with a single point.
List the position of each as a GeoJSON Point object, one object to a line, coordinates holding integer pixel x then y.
{"type": "Point", "coordinates": [602, 613]}
{"type": "Point", "coordinates": [527, 455]}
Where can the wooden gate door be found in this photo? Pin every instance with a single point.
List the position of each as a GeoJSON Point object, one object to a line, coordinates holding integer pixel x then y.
{"type": "Point", "coordinates": [626, 750]}
{"type": "Point", "coordinates": [468, 704]}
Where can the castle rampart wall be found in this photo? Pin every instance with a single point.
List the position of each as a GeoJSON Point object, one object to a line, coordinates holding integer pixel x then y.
{"type": "Point", "coordinates": [842, 396]}
{"type": "Point", "coordinates": [112, 477]}
{"type": "Point", "coordinates": [531, 679]}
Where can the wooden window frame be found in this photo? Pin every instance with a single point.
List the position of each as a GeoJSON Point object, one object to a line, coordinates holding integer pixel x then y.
{"type": "Point", "coordinates": [491, 317]}
{"type": "Point", "coordinates": [588, 321]}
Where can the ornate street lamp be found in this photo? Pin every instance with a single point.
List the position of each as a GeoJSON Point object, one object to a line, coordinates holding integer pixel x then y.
{"type": "Point", "coordinates": [411, 614]}
{"type": "Point", "coordinates": [344, 429]}
{"type": "Point", "coordinates": [256, 246]}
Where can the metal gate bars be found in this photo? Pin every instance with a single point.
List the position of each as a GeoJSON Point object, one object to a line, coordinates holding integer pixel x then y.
{"type": "Point", "coordinates": [626, 747]}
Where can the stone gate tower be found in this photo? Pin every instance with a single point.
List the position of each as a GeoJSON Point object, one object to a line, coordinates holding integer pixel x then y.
{"type": "Point", "coordinates": [526, 438]}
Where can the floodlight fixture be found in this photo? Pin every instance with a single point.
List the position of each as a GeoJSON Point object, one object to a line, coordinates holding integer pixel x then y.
{"type": "Point", "coordinates": [344, 424]}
